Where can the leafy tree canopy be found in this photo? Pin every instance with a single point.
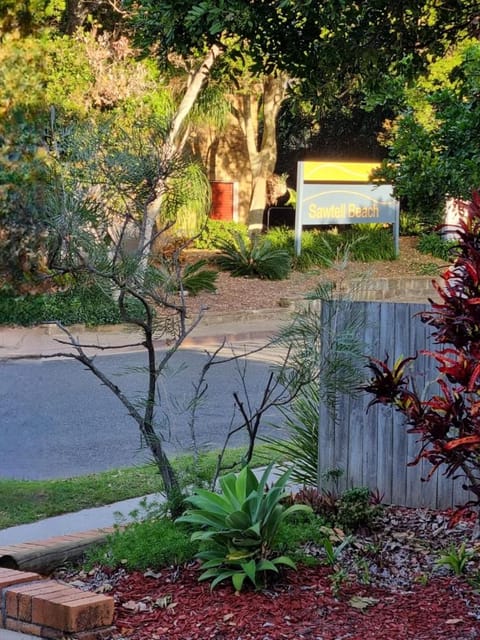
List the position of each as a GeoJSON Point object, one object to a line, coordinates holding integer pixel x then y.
{"type": "Point", "coordinates": [25, 16]}
{"type": "Point", "coordinates": [433, 144]}
{"type": "Point", "coordinates": [313, 42]}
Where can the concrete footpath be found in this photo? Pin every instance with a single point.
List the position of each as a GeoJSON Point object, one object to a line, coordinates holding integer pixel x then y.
{"type": "Point", "coordinates": [77, 529]}
{"type": "Point", "coordinates": [86, 520]}
{"type": "Point", "coordinates": [48, 339]}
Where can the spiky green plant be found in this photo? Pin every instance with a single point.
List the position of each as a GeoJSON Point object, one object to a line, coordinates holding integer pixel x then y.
{"type": "Point", "coordinates": [324, 360]}
{"type": "Point", "coordinates": [253, 257]}
{"type": "Point", "coordinates": [239, 526]}
{"type": "Point", "coordinates": [301, 446]}
{"type": "Point", "coordinates": [194, 278]}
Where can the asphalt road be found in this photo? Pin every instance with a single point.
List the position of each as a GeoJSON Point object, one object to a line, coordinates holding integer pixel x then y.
{"type": "Point", "coordinates": [57, 420]}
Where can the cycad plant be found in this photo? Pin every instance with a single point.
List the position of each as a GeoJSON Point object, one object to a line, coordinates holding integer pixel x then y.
{"type": "Point", "coordinates": [193, 278]}
{"type": "Point", "coordinates": [238, 527]}
{"type": "Point", "coordinates": [253, 257]}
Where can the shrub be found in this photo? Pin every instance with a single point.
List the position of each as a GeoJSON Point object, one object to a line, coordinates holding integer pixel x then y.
{"type": "Point", "coordinates": [281, 238]}
{"type": "Point", "coordinates": [368, 242]}
{"type": "Point", "coordinates": [435, 245]}
{"type": "Point", "coordinates": [254, 257]}
{"type": "Point", "coordinates": [90, 305]}
{"type": "Point", "coordinates": [216, 231]}
{"type": "Point", "coordinates": [319, 249]}
{"type": "Point", "coordinates": [355, 510]}
{"type": "Point", "coordinates": [323, 503]}
{"type": "Point", "coordinates": [194, 278]}
{"type": "Point", "coordinates": [239, 527]}
{"type": "Point", "coordinates": [447, 425]}
{"type": "Point", "coordinates": [324, 247]}
{"type": "Point", "coordinates": [297, 532]}
{"type": "Point", "coordinates": [151, 543]}
{"type": "Point", "coordinates": [410, 224]}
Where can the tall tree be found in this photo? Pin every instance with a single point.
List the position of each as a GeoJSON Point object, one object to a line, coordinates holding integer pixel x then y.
{"type": "Point", "coordinates": [433, 143]}
{"type": "Point", "coordinates": [335, 44]}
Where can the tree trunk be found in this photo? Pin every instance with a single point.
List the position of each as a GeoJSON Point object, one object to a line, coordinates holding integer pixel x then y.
{"type": "Point", "coordinates": [172, 146]}
{"type": "Point", "coordinates": [75, 14]}
{"type": "Point", "coordinates": [262, 154]}
{"type": "Point", "coordinates": [169, 477]}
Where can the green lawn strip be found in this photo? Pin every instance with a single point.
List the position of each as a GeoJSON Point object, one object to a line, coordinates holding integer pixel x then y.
{"type": "Point", "coordinates": [23, 501]}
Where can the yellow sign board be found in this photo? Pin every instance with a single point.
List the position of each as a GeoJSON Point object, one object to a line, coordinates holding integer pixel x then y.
{"type": "Point", "coordinates": [338, 171]}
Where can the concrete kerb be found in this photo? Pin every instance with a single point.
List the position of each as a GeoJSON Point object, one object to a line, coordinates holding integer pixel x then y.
{"type": "Point", "coordinates": [231, 327]}
{"type": "Point", "coordinates": [214, 326]}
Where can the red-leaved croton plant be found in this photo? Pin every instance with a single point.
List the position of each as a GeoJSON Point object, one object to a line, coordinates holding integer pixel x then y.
{"type": "Point", "coordinates": [447, 423]}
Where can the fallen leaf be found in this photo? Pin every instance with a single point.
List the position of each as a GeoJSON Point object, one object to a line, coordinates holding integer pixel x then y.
{"type": "Point", "coordinates": [163, 601]}
{"type": "Point", "coordinates": [152, 574]}
{"type": "Point", "coordinates": [362, 603]}
{"type": "Point", "coordinates": [136, 607]}
{"type": "Point", "coordinates": [454, 621]}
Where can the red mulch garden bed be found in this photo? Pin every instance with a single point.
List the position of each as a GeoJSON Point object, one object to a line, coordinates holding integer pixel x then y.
{"type": "Point", "coordinates": [392, 589]}
{"type": "Point", "coordinates": [172, 605]}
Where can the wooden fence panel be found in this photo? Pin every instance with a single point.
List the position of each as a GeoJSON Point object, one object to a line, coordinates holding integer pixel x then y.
{"type": "Point", "coordinates": [373, 448]}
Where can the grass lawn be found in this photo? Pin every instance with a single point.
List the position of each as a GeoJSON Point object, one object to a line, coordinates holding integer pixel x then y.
{"type": "Point", "coordinates": [23, 501]}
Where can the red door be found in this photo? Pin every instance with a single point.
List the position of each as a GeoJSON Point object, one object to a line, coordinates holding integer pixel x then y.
{"type": "Point", "coordinates": [223, 200]}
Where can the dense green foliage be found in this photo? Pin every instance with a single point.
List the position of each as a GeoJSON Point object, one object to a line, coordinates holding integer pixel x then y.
{"type": "Point", "coordinates": [55, 91]}
{"type": "Point", "coordinates": [300, 529]}
{"type": "Point", "coordinates": [217, 231]}
{"type": "Point", "coordinates": [322, 248]}
{"type": "Point", "coordinates": [149, 543]}
{"type": "Point", "coordinates": [152, 541]}
{"type": "Point", "coordinates": [137, 546]}
{"type": "Point", "coordinates": [433, 150]}
{"type": "Point", "coordinates": [329, 47]}
{"type": "Point", "coordinates": [79, 305]}
{"type": "Point", "coordinates": [355, 510]}
{"type": "Point", "coordinates": [436, 245]}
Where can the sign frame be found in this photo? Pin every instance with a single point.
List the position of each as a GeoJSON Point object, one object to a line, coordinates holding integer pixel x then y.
{"type": "Point", "coordinates": [330, 193]}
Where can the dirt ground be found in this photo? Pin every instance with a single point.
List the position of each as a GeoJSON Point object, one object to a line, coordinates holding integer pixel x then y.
{"type": "Point", "coordinates": [239, 294]}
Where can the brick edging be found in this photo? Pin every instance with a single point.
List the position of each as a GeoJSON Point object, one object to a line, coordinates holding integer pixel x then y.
{"type": "Point", "coordinates": [45, 555]}
{"type": "Point", "coordinates": [50, 609]}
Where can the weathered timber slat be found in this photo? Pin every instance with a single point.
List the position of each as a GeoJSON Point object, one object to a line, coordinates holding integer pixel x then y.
{"type": "Point", "coordinates": [373, 448]}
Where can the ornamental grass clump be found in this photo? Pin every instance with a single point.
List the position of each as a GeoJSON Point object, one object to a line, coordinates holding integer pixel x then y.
{"type": "Point", "coordinates": [238, 527]}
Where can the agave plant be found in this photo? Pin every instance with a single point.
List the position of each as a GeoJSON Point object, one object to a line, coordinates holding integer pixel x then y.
{"type": "Point", "coordinates": [239, 526]}
{"type": "Point", "coordinates": [255, 257]}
